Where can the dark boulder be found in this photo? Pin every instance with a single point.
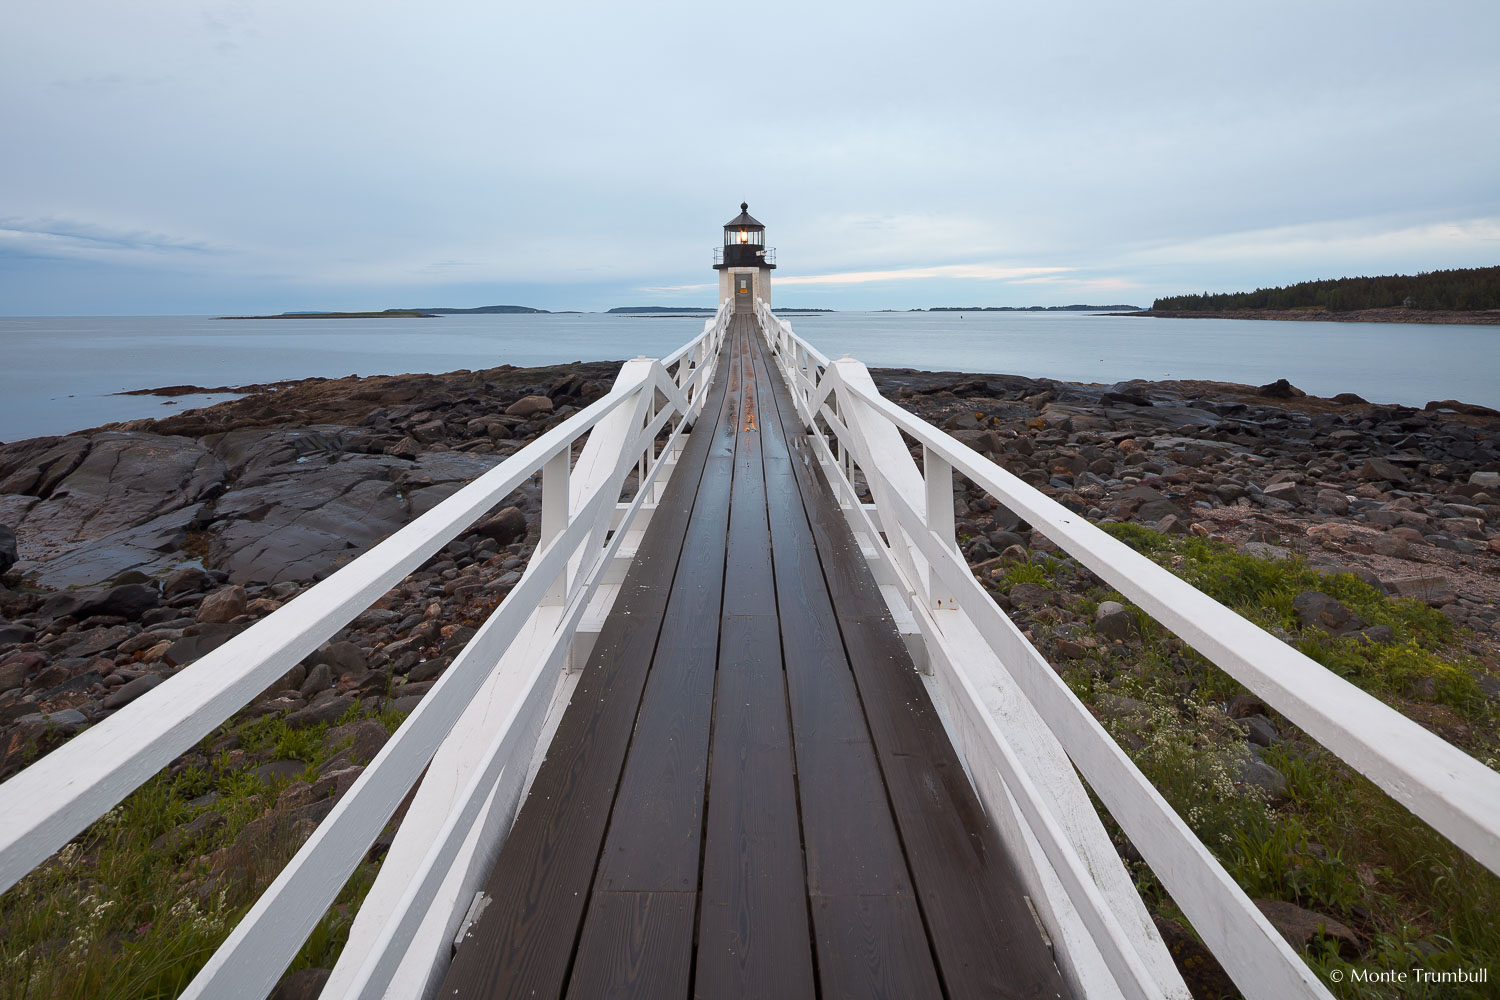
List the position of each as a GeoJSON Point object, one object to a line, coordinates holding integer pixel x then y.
{"type": "Point", "coordinates": [129, 601]}
{"type": "Point", "coordinates": [7, 548]}
{"type": "Point", "coordinates": [1318, 610]}
{"type": "Point", "coordinates": [505, 527]}
{"type": "Point", "coordinates": [1280, 389]}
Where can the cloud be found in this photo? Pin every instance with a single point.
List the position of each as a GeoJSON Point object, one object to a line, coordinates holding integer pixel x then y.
{"type": "Point", "coordinates": [983, 272]}
{"type": "Point", "coordinates": [58, 239]}
{"type": "Point", "coordinates": [1348, 240]}
{"type": "Point", "coordinates": [701, 286]}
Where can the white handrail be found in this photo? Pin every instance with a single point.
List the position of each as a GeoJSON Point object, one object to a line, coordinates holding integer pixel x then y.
{"type": "Point", "coordinates": [1452, 791]}
{"type": "Point", "coordinates": [48, 803]}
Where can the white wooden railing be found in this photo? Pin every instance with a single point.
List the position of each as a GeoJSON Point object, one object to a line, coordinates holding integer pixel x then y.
{"type": "Point", "coordinates": [475, 733]}
{"type": "Point", "coordinates": [1023, 731]}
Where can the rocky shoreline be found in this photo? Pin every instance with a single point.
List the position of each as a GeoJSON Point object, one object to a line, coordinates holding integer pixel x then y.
{"type": "Point", "coordinates": [129, 551]}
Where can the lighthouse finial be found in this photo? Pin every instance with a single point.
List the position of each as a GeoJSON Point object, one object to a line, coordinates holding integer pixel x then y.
{"type": "Point", "coordinates": [744, 206]}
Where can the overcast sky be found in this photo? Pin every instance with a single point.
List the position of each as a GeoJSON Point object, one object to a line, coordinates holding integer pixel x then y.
{"type": "Point", "coordinates": [186, 157]}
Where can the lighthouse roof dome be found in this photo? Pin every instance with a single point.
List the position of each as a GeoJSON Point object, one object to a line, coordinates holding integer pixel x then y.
{"type": "Point", "coordinates": [744, 220]}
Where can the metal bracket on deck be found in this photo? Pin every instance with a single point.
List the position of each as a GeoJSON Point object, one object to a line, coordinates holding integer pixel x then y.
{"type": "Point", "coordinates": [476, 909]}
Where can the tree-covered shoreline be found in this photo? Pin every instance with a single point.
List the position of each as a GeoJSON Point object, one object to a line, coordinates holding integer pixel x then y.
{"type": "Point", "coordinates": [1458, 290]}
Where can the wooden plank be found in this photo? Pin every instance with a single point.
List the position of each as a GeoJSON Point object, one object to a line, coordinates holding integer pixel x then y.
{"type": "Point", "coordinates": [523, 943]}
{"type": "Point", "coordinates": [654, 830]}
{"type": "Point", "coordinates": [749, 587]}
{"type": "Point", "coordinates": [982, 933]}
{"type": "Point", "coordinates": [870, 937]}
{"type": "Point", "coordinates": [648, 940]}
{"type": "Point", "coordinates": [753, 938]}
{"type": "Point", "coordinates": [866, 950]}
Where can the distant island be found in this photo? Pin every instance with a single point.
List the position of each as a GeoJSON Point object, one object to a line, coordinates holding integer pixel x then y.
{"type": "Point", "coordinates": [689, 310]}
{"type": "Point", "coordinates": [1462, 295]}
{"type": "Point", "coordinates": [432, 312]}
{"type": "Point", "coordinates": [385, 314]}
{"type": "Point", "coordinates": [661, 309]}
{"type": "Point", "coordinates": [1023, 309]}
{"type": "Point", "coordinates": [487, 310]}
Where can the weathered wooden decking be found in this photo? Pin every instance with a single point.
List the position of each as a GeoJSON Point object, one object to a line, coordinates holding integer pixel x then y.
{"type": "Point", "coordinates": [750, 793]}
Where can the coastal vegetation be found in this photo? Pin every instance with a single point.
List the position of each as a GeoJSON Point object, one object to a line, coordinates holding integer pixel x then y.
{"type": "Point", "coordinates": [1317, 835]}
{"type": "Point", "coordinates": [1459, 290]}
{"type": "Point", "coordinates": [133, 907]}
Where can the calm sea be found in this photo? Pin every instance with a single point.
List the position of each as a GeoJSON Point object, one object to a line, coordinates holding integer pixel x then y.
{"type": "Point", "coordinates": [57, 374]}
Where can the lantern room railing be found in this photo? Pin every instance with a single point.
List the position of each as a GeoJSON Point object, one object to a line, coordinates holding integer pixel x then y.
{"type": "Point", "coordinates": [745, 255]}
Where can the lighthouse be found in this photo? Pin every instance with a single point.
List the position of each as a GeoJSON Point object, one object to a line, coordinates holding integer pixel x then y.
{"type": "Point", "coordinates": [744, 262]}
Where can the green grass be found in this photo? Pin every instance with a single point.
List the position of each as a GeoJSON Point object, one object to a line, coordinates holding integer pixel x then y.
{"type": "Point", "coordinates": [1338, 845]}
{"type": "Point", "coordinates": [132, 908]}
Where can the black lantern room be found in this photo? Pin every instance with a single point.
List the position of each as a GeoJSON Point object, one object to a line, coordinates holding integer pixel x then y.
{"type": "Point", "coordinates": [744, 243]}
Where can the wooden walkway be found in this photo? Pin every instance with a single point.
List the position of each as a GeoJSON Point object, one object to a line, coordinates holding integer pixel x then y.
{"type": "Point", "coordinates": [750, 793]}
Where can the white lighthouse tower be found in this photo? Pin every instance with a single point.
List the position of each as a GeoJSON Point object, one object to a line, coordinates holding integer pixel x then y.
{"type": "Point", "coordinates": [744, 262]}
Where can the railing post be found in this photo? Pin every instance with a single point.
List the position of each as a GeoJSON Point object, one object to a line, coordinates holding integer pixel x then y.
{"type": "Point", "coordinates": [555, 491]}
{"type": "Point", "coordinates": [938, 475]}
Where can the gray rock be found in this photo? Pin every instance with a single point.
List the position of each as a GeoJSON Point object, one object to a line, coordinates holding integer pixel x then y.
{"type": "Point", "coordinates": [432, 430]}
{"type": "Point", "coordinates": [1244, 705]}
{"type": "Point", "coordinates": [1488, 480]}
{"type": "Point", "coordinates": [1030, 595]}
{"type": "Point", "coordinates": [1435, 590]}
{"type": "Point", "coordinates": [1252, 771]}
{"type": "Point", "coordinates": [427, 670]}
{"type": "Point", "coordinates": [1333, 501]}
{"type": "Point", "coordinates": [128, 601]}
{"type": "Point", "coordinates": [146, 549]}
{"type": "Point", "coordinates": [373, 618]}
{"type": "Point", "coordinates": [1265, 550]}
{"type": "Point", "coordinates": [1172, 524]}
{"type": "Point", "coordinates": [295, 522]}
{"type": "Point", "coordinates": [1287, 492]}
{"type": "Point", "coordinates": [406, 703]}
{"type": "Point", "coordinates": [528, 405]}
{"type": "Point", "coordinates": [304, 984]}
{"type": "Point", "coordinates": [223, 605]}
{"type": "Point", "coordinates": [14, 673]}
{"type": "Point", "coordinates": [99, 640]}
{"type": "Point", "coordinates": [1260, 730]}
{"type": "Point", "coordinates": [322, 709]}
{"type": "Point", "coordinates": [1302, 927]}
{"type": "Point", "coordinates": [8, 553]}
{"type": "Point", "coordinates": [505, 527]}
{"type": "Point", "coordinates": [1114, 621]}
{"type": "Point", "coordinates": [364, 738]}
{"type": "Point", "coordinates": [1373, 633]}
{"type": "Point", "coordinates": [186, 580]}
{"type": "Point", "coordinates": [1390, 545]}
{"type": "Point", "coordinates": [279, 770]}
{"type": "Point", "coordinates": [68, 721]}
{"type": "Point", "coordinates": [1280, 389]}
{"type": "Point", "coordinates": [1489, 684]}
{"type": "Point", "coordinates": [343, 657]}
{"type": "Point", "coordinates": [1318, 610]}
{"type": "Point", "coordinates": [1002, 540]}
{"type": "Point", "coordinates": [1378, 469]}
{"type": "Point", "coordinates": [206, 640]}
{"type": "Point", "coordinates": [131, 690]}
{"type": "Point", "coordinates": [11, 634]}
{"type": "Point", "coordinates": [1119, 706]}
{"type": "Point", "coordinates": [319, 679]}
{"type": "Point", "coordinates": [120, 480]}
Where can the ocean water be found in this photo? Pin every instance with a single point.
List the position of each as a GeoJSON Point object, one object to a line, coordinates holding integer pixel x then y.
{"type": "Point", "coordinates": [58, 374]}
